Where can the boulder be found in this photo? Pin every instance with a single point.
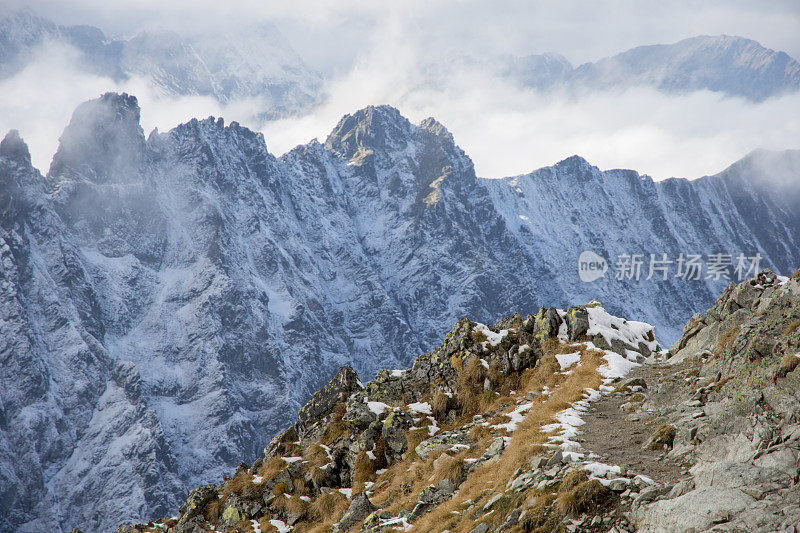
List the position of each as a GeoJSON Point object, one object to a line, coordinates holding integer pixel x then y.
{"type": "Point", "coordinates": [441, 442]}
{"type": "Point", "coordinates": [697, 510]}
{"type": "Point", "coordinates": [237, 509]}
{"type": "Point", "coordinates": [359, 509]}
{"type": "Point", "coordinates": [195, 503]}
{"type": "Point", "coordinates": [577, 319]}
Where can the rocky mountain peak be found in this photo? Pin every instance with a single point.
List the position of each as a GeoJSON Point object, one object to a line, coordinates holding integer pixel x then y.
{"type": "Point", "coordinates": [13, 148]}
{"type": "Point", "coordinates": [103, 142]}
{"type": "Point", "coordinates": [367, 129]}
{"type": "Point", "coordinates": [576, 167]}
{"type": "Point", "coordinates": [435, 127]}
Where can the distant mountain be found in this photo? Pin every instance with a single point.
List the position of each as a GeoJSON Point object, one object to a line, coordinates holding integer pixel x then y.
{"type": "Point", "coordinates": [258, 62]}
{"type": "Point", "coordinates": [252, 62]}
{"type": "Point", "coordinates": [168, 303]}
{"type": "Point", "coordinates": [727, 64]}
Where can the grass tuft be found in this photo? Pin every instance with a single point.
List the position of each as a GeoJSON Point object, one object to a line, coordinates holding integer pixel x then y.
{"type": "Point", "coordinates": [665, 435]}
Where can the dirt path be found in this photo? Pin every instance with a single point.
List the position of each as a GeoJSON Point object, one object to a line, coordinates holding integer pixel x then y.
{"type": "Point", "coordinates": [618, 440]}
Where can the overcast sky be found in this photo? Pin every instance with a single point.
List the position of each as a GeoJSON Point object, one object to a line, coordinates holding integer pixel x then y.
{"type": "Point", "coordinates": [372, 53]}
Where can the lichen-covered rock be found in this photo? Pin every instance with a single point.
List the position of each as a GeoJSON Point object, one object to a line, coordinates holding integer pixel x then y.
{"type": "Point", "coordinates": [197, 500]}
{"type": "Point", "coordinates": [546, 323]}
{"type": "Point", "coordinates": [235, 509]}
{"type": "Point", "coordinates": [359, 509]}
{"type": "Point", "coordinates": [358, 415]}
{"type": "Point", "coordinates": [577, 319]}
{"type": "Point", "coordinates": [444, 441]}
{"type": "Point", "coordinates": [338, 389]}
{"type": "Point", "coordinates": [394, 433]}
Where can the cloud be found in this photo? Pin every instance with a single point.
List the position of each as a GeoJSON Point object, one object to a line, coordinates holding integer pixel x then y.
{"type": "Point", "coordinates": [39, 100]}
{"type": "Point", "coordinates": [509, 130]}
{"type": "Point", "coordinates": [326, 32]}
{"type": "Point", "coordinates": [409, 54]}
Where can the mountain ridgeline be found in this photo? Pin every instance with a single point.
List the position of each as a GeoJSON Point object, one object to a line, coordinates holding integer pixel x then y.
{"type": "Point", "coordinates": [726, 64]}
{"type": "Point", "coordinates": [168, 303]}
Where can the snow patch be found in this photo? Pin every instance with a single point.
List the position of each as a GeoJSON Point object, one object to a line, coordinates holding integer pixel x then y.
{"type": "Point", "coordinates": [281, 526]}
{"type": "Point", "coordinates": [378, 407]}
{"type": "Point", "coordinates": [568, 359]}
{"type": "Point", "coordinates": [423, 408]}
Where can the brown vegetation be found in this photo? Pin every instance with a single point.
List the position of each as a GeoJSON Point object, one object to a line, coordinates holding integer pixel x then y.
{"type": "Point", "coordinates": [664, 436]}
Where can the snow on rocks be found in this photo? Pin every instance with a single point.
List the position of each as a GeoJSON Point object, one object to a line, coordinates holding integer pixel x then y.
{"type": "Point", "coordinates": [492, 338]}
{"type": "Point", "coordinates": [378, 407]}
{"type": "Point", "coordinates": [613, 328]}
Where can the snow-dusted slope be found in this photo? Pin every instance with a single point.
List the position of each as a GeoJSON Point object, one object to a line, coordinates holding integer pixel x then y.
{"type": "Point", "coordinates": [560, 211]}
{"type": "Point", "coordinates": [168, 303]}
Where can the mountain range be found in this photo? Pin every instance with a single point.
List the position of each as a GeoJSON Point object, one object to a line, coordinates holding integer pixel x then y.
{"type": "Point", "coordinates": [169, 302]}
{"type": "Point", "coordinates": [726, 64]}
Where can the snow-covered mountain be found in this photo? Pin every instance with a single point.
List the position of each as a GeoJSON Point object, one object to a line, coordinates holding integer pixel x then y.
{"type": "Point", "coordinates": [252, 62]}
{"type": "Point", "coordinates": [731, 65]}
{"type": "Point", "coordinates": [169, 302]}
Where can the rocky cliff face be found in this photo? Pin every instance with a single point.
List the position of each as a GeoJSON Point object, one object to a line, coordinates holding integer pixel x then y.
{"type": "Point", "coordinates": [170, 303]}
{"type": "Point", "coordinates": [557, 212]}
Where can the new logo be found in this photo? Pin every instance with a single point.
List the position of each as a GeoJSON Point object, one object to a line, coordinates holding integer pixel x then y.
{"type": "Point", "coordinates": [591, 266]}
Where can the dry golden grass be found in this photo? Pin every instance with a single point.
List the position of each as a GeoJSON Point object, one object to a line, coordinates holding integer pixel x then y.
{"type": "Point", "coordinates": [413, 438]}
{"type": "Point", "coordinates": [316, 457]}
{"type": "Point", "coordinates": [298, 507]}
{"type": "Point", "coordinates": [364, 468]}
{"type": "Point", "coordinates": [448, 467]}
{"type": "Point", "coordinates": [271, 468]}
{"type": "Point", "coordinates": [796, 275]}
{"type": "Point", "coordinates": [213, 510]}
{"type": "Point", "coordinates": [527, 441]}
{"type": "Point", "coordinates": [398, 488]}
{"type": "Point", "coordinates": [326, 509]}
{"type": "Point", "coordinates": [541, 518]}
{"type": "Point", "coordinates": [440, 405]}
{"type": "Point", "coordinates": [336, 428]}
{"type": "Point", "coordinates": [265, 526]}
{"type": "Point", "coordinates": [478, 336]}
{"type": "Point", "coordinates": [573, 479]}
{"type": "Point", "coordinates": [380, 453]}
{"type": "Point", "coordinates": [301, 487]}
{"type": "Point", "coordinates": [664, 435]}
{"type": "Point", "coordinates": [242, 484]}
{"type": "Point", "coordinates": [788, 363]}
{"type": "Point", "coordinates": [726, 340]}
{"type": "Point", "coordinates": [581, 498]}
{"type": "Point", "coordinates": [791, 327]}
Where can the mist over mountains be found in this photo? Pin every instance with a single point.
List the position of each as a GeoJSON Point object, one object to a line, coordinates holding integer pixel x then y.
{"type": "Point", "coordinates": [714, 98]}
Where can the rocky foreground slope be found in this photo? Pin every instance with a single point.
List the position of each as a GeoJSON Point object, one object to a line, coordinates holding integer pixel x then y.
{"type": "Point", "coordinates": [478, 434]}
{"type": "Point", "coordinates": [495, 430]}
